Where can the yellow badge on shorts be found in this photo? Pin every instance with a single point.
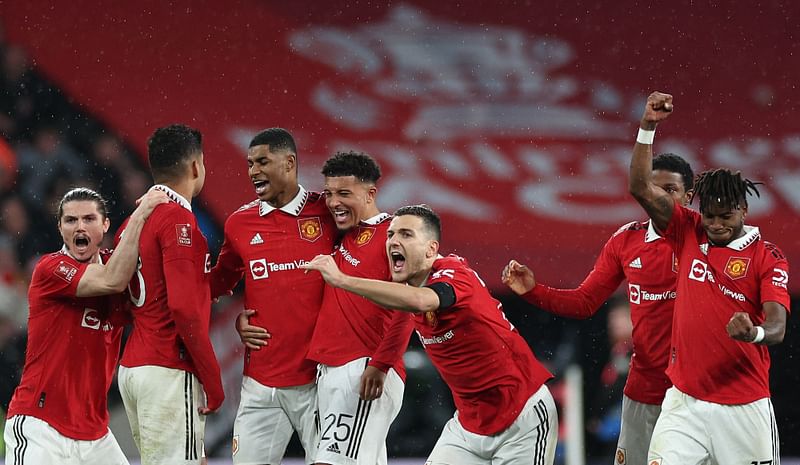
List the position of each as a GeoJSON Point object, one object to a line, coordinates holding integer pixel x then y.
{"type": "Point", "coordinates": [235, 444]}
{"type": "Point", "coordinates": [737, 267]}
{"type": "Point", "coordinates": [364, 236]}
{"type": "Point", "coordinates": [655, 462]}
{"type": "Point", "coordinates": [310, 228]}
{"type": "Point", "coordinates": [620, 456]}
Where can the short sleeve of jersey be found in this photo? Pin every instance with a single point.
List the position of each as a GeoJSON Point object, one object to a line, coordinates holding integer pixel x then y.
{"type": "Point", "coordinates": [175, 235]}
{"type": "Point", "coordinates": [59, 275]}
{"type": "Point", "coordinates": [454, 274]}
{"type": "Point", "coordinates": [775, 276]}
{"type": "Point", "coordinates": [682, 220]}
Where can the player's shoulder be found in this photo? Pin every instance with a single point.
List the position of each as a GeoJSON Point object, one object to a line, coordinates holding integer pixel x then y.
{"type": "Point", "coordinates": [452, 261]}
{"type": "Point", "coordinates": [246, 210]}
{"type": "Point", "coordinates": [773, 250]}
{"type": "Point", "coordinates": [52, 259]}
{"type": "Point", "coordinates": [633, 227]}
{"type": "Point", "coordinates": [248, 207]}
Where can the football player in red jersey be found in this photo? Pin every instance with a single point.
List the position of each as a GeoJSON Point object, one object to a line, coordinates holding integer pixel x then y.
{"type": "Point", "coordinates": [505, 413]}
{"type": "Point", "coordinates": [636, 253]}
{"type": "Point", "coordinates": [59, 411]}
{"type": "Point", "coordinates": [358, 345]}
{"type": "Point", "coordinates": [169, 363]}
{"type": "Point", "coordinates": [265, 241]}
{"type": "Point", "coordinates": [732, 301]}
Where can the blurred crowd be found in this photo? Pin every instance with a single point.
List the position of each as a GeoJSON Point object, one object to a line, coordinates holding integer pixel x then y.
{"type": "Point", "coordinates": [47, 145]}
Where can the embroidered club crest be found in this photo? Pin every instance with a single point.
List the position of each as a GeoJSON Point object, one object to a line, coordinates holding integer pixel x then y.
{"type": "Point", "coordinates": [364, 236]}
{"type": "Point", "coordinates": [184, 234]}
{"type": "Point", "coordinates": [431, 319]}
{"type": "Point", "coordinates": [737, 267]}
{"type": "Point", "coordinates": [310, 228]}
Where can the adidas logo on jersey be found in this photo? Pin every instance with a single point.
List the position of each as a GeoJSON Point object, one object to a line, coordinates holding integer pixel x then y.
{"type": "Point", "coordinates": [256, 240]}
{"type": "Point", "coordinates": [334, 448]}
{"type": "Point", "coordinates": [636, 263]}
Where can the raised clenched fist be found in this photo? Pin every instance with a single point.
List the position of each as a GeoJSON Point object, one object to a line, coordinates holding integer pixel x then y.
{"type": "Point", "coordinates": [657, 109]}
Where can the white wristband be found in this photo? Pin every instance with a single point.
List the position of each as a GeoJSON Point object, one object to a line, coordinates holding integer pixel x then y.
{"type": "Point", "coordinates": [646, 136]}
{"type": "Point", "coordinates": [759, 335]}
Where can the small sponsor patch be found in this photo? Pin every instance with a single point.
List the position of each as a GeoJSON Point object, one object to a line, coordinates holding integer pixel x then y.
{"type": "Point", "coordinates": [65, 271]}
{"type": "Point", "coordinates": [258, 268]}
{"type": "Point", "coordinates": [91, 318]}
{"type": "Point", "coordinates": [310, 228]}
{"type": "Point", "coordinates": [184, 234]}
{"type": "Point", "coordinates": [235, 444]}
{"type": "Point", "coordinates": [364, 236]}
{"type": "Point", "coordinates": [737, 267]}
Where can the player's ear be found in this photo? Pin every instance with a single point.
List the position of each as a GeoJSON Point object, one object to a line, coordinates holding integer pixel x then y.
{"type": "Point", "coordinates": [106, 224]}
{"type": "Point", "coordinates": [371, 193]}
{"type": "Point", "coordinates": [433, 249]}
{"type": "Point", "coordinates": [291, 162]}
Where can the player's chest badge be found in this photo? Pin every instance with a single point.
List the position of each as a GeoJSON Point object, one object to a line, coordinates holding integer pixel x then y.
{"type": "Point", "coordinates": [736, 267]}
{"type": "Point", "coordinates": [310, 228]}
{"type": "Point", "coordinates": [365, 235]}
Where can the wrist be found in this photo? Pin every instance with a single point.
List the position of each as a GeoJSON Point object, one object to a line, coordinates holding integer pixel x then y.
{"type": "Point", "coordinates": [760, 334]}
{"type": "Point", "coordinates": [645, 136]}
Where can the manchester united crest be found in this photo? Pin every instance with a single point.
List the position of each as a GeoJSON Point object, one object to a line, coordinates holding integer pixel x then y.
{"type": "Point", "coordinates": [310, 228]}
{"type": "Point", "coordinates": [431, 319]}
{"type": "Point", "coordinates": [737, 267]}
{"type": "Point", "coordinates": [364, 236]}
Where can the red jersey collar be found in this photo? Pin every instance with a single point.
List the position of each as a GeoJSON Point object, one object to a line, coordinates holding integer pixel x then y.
{"type": "Point", "coordinates": [174, 196]}
{"type": "Point", "coordinates": [294, 207]}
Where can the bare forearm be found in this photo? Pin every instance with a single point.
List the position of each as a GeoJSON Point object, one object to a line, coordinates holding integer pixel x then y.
{"type": "Point", "coordinates": [395, 296]}
{"type": "Point", "coordinates": [122, 264]}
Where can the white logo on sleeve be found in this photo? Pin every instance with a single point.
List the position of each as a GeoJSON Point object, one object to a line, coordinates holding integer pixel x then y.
{"type": "Point", "coordinates": [634, 292]}
{"type": "Point", "coordinates": [698, 270]}
{"type": "Point", "coordinates": [258, 268]}
{"type": "Point", "coordinates": [780, 278]}
{"type": "Point", "coordinates": [448, 273]}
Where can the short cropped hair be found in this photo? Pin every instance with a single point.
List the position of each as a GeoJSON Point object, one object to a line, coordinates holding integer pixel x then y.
{"type": "Point", "coordinates": [276, 138]}
{"type": "Point", "coordinates": [429, 217]}
{"type": "Point", "coordinates": [357, 164]}
{"type": "Point", "coordinates": [170, 148]}
{"type": "Point", "coordinates": [675, 164]}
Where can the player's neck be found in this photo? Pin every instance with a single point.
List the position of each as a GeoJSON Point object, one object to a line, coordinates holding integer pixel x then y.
{"type": "Point", "coordinates": [285, 197]}
{"type": "Point", "coordinates": [183, 188]}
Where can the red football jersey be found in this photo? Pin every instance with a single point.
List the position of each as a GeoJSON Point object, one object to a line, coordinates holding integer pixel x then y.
{"type": "Point", "coordinates": [713, 283]}
{"type": "Point", "coordinates": [267, 246]}
{"type": "Point", "coordinates": [73, 345]}
{"type": "Point", "coordinates": [637, 253]}
{"type": "Point", "coordinates": [171, 296]}
{"type": "Point", "coordinates": [350, 326]}
{"type": "Point", "coordinates": [488, 366]}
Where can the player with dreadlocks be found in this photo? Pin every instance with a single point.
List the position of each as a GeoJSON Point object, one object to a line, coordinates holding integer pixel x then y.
{"type": "Point", "coordinates": [732, 301]}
